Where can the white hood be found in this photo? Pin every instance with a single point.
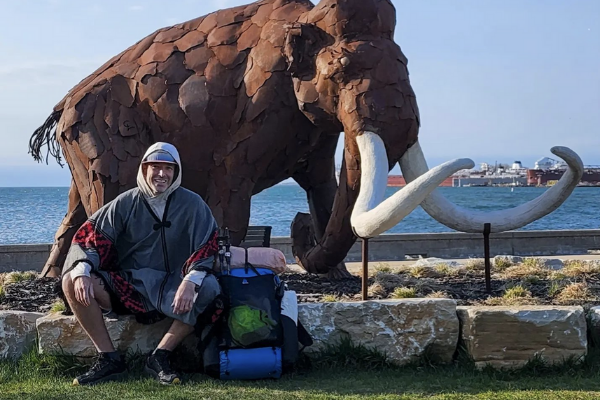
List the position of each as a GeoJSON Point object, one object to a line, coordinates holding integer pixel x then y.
{"type": "Point", "coordinates": [158, 202]}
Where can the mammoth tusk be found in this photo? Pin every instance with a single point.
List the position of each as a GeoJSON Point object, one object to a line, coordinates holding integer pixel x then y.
{"type": "Point", "coordinates": [371, 215]}
{"type": "Point", "coordinates": [413, 165]}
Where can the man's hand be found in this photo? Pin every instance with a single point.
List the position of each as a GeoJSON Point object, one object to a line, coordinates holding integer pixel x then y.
{"type": "Point", "coordinates": [84, 290]}
{"type": "Point", "coordinates": [184, 298]}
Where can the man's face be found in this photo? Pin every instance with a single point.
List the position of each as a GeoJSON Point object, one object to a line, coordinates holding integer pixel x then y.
{"type": "Point", "coordinates": [159, 176]}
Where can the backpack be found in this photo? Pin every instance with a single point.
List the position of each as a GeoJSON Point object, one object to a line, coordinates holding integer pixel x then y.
{"type": "Point", "coordinates": [256, 332]}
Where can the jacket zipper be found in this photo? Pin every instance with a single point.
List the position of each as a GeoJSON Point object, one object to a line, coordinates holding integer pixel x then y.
{"type": "Point", "coordinates": [166, 261]}
{"type": "Point", "coordinates": [164, 249]}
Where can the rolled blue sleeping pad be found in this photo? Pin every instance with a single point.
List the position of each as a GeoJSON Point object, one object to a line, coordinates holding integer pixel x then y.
{"type": "Point", "coordinates": [264, 362]}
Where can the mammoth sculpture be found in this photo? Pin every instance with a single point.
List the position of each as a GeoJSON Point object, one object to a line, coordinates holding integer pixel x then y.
{"type": "Point", "coordinates": [257, 94]}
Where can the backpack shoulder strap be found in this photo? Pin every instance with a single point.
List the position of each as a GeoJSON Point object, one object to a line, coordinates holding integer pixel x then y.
{"type": "Point", "coordinates": [248, 265]}
{"type": "Point", "coordinates": [303, 336]}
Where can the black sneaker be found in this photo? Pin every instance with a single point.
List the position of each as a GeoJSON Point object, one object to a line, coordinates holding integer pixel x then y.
{"type": "Point", "coordinates": [159, 367]}
{"type": "Point", "coordinates": [104, 369]}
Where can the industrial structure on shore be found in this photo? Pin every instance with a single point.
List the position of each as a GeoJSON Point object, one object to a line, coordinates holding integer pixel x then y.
{"type": "Point", "coordinates": [545, 172]}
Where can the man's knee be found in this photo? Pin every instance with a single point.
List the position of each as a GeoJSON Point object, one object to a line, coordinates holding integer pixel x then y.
{"type": "Point", "coordinates": [68, 287]}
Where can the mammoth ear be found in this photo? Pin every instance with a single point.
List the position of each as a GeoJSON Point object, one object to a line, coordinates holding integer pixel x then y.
{"type": "Point", "coordinates": [302, 43]}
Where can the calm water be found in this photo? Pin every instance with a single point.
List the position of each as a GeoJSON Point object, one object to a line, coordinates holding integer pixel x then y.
{"type": "Point", "coordinates": [32, 215]}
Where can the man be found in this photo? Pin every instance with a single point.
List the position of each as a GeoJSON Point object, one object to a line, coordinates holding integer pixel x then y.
{"type": "Point", "coordinates": [146, 253]}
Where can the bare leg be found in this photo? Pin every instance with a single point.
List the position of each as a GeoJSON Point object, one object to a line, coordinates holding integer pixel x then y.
{"type": "Point", "coordinates": [173, 338]}
{"type": "Point", "coordinates": [90, 318]}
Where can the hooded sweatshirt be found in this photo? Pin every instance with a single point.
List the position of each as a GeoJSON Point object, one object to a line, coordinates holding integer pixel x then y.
{"type": "Point", "coordinates": [143, 245]}
{"type": "Point", "coordinates": [157, 202]}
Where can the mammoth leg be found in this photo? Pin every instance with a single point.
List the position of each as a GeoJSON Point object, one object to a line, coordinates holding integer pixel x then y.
{"type": "Point", "coordinates": [62, 240]}
{"type": "Point", "coordinates": [317, 178]}
{"type": "Point", "coordinates": [230, 208]}
{"type": "Point", "coordinates": [236, 216]}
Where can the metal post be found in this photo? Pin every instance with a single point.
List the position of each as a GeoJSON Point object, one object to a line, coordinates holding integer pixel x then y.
{"type": "Point", "coordinates": [365, 268]}
{"type": "Point", "coordinates": [486, 249]}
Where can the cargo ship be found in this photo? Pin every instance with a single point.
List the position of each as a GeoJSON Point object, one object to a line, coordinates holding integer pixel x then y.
{"type": "Point", "coordinates": [546, 172]}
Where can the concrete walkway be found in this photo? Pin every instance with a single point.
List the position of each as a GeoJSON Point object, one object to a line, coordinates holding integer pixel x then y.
{"type": "Point", "coordinates": [355, 268]}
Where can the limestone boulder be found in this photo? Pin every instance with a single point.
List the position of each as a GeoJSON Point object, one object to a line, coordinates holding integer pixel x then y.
{"type": "Point", "coordinates": [17, 332]}
{"type": "Point", "coordinates": [404, 329]}
{"type": "Point", "coordinates": [508, 337]}
{"type": "Point", "coordinates": [63, 335]}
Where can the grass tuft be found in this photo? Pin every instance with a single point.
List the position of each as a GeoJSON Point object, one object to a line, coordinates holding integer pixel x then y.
{"type": "Point", "coordinates": [532, 262]}
{"type": "Point", "coordinates": [421, 271]}
{"type": "Point", "coordinates": [58, 306]}
{"type": "Point", "coordinates": [516, 292]}
{"type": "Point", "coordinates": [514, 296]}
{"type": "Point", "coordinates": [557, 276]}
{"type": "Point", "coordinates": [377, 290]}
{"type": "Point", "coordinates": [330, 298]}
{"type": "Point", "coordinates": [501, 264]}
{"type": "Point", "coordinates": [17, 276]}
{"type": "Point", "coordinates": [383, 267]}
{"type": "Point", "coordinates": [475, 265]}
{"type": "Point", "coordinates": [575, 292]}
{"type": "Point", "coordinates": [580, 268]}
{"type": "Point", "coordinates": [531, 271]}
{"type": "Point", "coordinates": [402, 292]}
{"type": "Point", "coordinates": [446, 270]}
{"type": "Point", "coordinates": [418, 271]}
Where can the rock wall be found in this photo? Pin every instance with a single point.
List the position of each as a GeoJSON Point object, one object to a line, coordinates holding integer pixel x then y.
{"type": "Point", "coordinates": [17, 332]}
{"type": "Point", "coordinates": [511, 336]}
{"type": "Point", "coordinates": [404, 329]}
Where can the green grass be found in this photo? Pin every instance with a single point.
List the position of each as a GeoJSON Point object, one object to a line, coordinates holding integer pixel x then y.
{"type": "Point", "coordinates": [339, 372]}
{"type": "Point", "coordinates": [58, 306]}
{"type": "Point", "coordinates": [330, 298]}
{"type": "Point", "coordinates": [404, 293]}
{"type": "Point", "coordinates": [17, 276]}
{"type": "Point", "coordinates": [515, 292]}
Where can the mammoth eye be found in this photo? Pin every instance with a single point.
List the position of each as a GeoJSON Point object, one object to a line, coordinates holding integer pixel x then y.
{"type": "Point", "coordinates": [345, 61]}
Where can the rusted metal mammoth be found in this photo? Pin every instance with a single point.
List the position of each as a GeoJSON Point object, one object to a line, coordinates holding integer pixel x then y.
{"type": "Point", "coordinates": [251, 96]}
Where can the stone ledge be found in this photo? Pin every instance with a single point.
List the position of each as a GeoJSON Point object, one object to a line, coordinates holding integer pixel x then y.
{"type": "Point", "coordinates": [60, 334]}
{"type": "Point", "coordinates": [404, 329]}
{"type": "Point", "coordinates": [508, 337]}
{"type": "Point", "coordinates": [17, 332]}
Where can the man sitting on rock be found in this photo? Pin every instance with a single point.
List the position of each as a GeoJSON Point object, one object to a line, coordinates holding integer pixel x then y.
{"type": "Point", "coordinates": [149, 252]}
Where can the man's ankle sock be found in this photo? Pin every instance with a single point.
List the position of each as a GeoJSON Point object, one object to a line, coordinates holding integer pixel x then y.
{"type": "Point", "coordinates": [113, 355]}
{"type": "Point", "coordinates": [164, 351]}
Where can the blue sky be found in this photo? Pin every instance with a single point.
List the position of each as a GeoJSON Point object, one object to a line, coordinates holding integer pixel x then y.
{"type": "Point", "coordinates": [495, 80]}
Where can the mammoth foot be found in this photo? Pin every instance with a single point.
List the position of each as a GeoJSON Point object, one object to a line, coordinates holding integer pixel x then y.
{"type": "Point", "coordinates": [338, 272]}
{"type": "Point", "coordinates": [304, 243]}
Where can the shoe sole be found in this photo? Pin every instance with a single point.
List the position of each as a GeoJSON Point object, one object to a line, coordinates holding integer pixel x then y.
{"type": "Point", "coordinates": [150, 371]}
{"type": "Point", "coordinates": [110, 378]}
